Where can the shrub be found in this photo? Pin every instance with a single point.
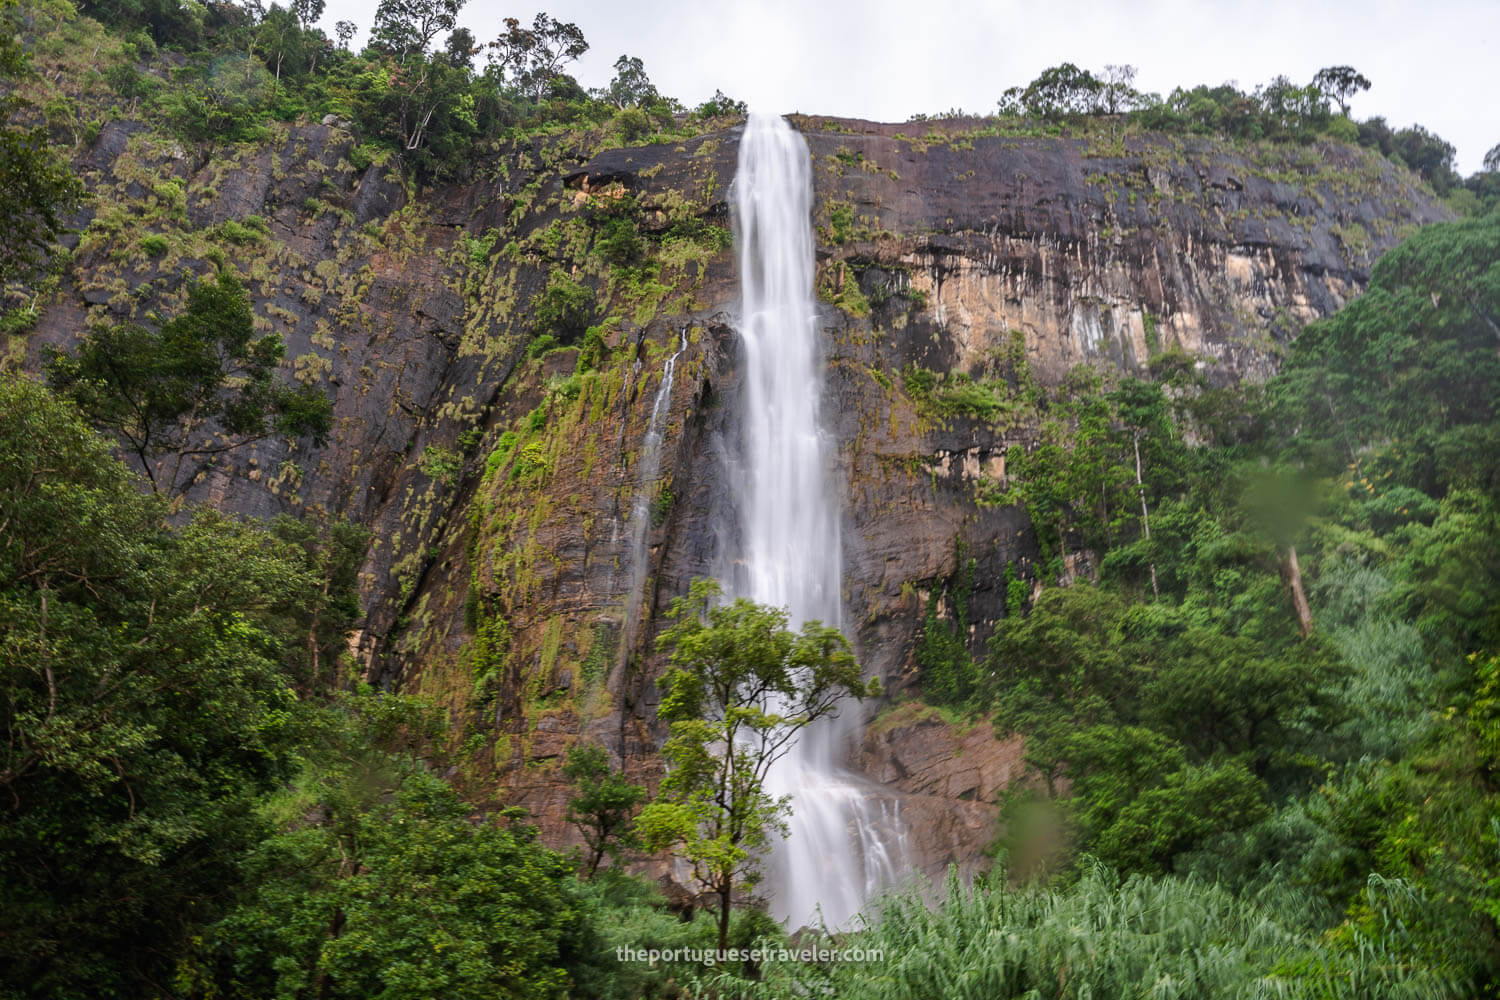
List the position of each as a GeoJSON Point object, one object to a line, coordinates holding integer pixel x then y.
{"type": "Point", "coordinates": [541, 345]}
{"type": "Point", "coordinates": [633, 124]}
{"type": "Point", "coordinates": [237, 234]}
{"type": "Point", "coordinates": [565, 310]}
{"type": "Point", "coordinates": [503, 449]}
{"type": "Point", "coordinates": [155, 245]}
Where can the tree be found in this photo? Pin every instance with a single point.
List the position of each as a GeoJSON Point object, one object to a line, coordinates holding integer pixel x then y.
{"type": "Point", "coordinates": [332, 553]}
{"type": "Point", "coordinates": [280, 35]}
{"type": "Point", "coordinates": [408, 27]}
{"type": "Point", "coordinates": [308, 12]}
{"type": "Point", "coordinates": [630, 88]}
{"type": "Point", "coordinates": [1058, 92]}
{"type": "Point", "coordinates": [603, 806]}
{"type": "Point", "coordinates": [402, 896]}
{"type": "Point", "coordinates": [345, 30]}
{"type": "Point", "coordinates": [143, 710]}
{"type": "Point", "coordinates": [1425, 153]}
{"type": "Point", "coordinates": [1492, 159]}
{"type": "Point", "coordinates": [1119, 93]}
{"type": "Point", "coordinates": [1340, 83]}
{"type": "Point", "coordinates": [742, 686]}
{"type": "Point", "coordinates": [721, 104]}
{"type": "Point", "coordinates": [425, 107]}
{"type": "Point", "coordinates": [533, 57]}
{"type": "Point", "coordinates": [198, 386]}
{"type": "Point", "coordinates": [460, 48]}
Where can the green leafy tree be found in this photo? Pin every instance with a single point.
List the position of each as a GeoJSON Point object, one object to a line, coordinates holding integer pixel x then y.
{"type": "Point", "coordinates": [719, 105]}
{"type": "Point", "coordinates": [604, 805]}
{"type": "Point", "coordinates": [533, 58]}
{"type": "Point", "coordinates": [1340, 83]}
{"type": "Point", "coordinates": [403, 896]}
{"type": "Point", "coordinates": [308, 12]}
{"type": "Point", "coordinates": [223, 101]}
{"type": "Point", "coordinates": [630, 88]}
{"type": "Point", "coordinates": [332, 553]}
{"type": "Point", "coordinates": [1119, 93]}
{"type": "Point", "coordinates": [1409, 369]}
{"type": "Point", "coordinates": [460, 48]}
{"type": "Point", "coordinates": [742, 686]}
{"type": "Point", "coordinates": [183, 394]}
{"type": "Point", "coordinates": [143, 707]}
{"type": "Point", "coordinates": [408, 28]}
{"type": "Point", "coordinates": [1059, 92]}
{"type": "Point", "coordinates": [948, 672]}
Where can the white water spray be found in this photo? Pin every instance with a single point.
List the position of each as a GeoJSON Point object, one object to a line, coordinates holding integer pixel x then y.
{"type": "Point", "coordinates": [843, 844]}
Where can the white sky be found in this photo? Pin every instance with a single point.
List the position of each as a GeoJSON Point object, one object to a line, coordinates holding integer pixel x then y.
{"type": "Point", "coordinates": [1431, 63]}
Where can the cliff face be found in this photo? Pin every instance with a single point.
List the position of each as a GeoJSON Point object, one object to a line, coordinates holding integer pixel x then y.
{"type": "Point", "coordinates": [519, 560]}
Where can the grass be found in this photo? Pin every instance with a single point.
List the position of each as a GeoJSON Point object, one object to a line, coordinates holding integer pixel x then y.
{"type": "Point", "coordinates": [1103, 936]}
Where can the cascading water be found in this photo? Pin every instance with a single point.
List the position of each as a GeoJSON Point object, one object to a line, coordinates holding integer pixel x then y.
{"type": "Point", "coordinates": [648, 467]}
{"type": "Point", "coordinates": [843, 844]}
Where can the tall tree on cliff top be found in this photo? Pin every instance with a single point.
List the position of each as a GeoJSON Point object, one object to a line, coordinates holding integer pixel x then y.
{"type": "Point", "coordinates": [408, 27]}
{"type": "Point", "coordinates": [533, 57]}
{"type": "Point", "coordinates": [1340, 83]}
{"type": "Point", "coordinates": [741, 688]}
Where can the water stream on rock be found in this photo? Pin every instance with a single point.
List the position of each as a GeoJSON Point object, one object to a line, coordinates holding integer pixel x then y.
{"type": "Point", "coordinates": [648, 468]}
{"type": "Point", "coordinates": [844, 842]}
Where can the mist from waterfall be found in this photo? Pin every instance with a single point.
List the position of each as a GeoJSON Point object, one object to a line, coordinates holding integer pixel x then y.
{"type": "Point", "coordinates": [843, 844]}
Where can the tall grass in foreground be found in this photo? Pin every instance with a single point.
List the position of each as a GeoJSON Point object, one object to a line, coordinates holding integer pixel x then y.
{"type": "Point", "coordinates": [1102, 938]}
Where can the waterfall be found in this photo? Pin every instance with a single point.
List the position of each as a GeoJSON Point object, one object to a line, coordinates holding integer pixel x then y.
{"type": "Point", "coordinates": [648, 466]}
{"type": "Point", "coordinates": [843, 844]}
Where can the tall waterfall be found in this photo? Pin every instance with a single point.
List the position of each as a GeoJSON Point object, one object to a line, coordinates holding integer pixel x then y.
{"type": "Point", "coordinates": [839, 848]}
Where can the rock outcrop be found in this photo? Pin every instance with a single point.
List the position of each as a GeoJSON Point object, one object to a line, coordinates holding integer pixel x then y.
{"type": "Point", "coordinates": [501, 486]}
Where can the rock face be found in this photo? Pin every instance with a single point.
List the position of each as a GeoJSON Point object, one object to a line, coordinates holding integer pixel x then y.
{"type": "Point", "coordinates": [504, 490]}
{"type": "Point", "coordinates": [949, 780]}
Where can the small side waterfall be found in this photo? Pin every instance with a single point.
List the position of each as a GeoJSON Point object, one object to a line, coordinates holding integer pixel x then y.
{"type": "Point", "coordinates": [843, 843]}
{"type": "Point", "coordinates": [648, 467]}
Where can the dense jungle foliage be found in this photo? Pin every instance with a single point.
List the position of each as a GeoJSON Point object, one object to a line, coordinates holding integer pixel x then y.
{"type": "Point", "coordinates": [1282, 683]}
{"type": "Point", "coordinates": [1265, 716]}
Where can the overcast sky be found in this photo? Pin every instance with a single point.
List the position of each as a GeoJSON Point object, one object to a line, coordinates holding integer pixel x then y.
{"type": "Point", "coordinates": [1431, 63]}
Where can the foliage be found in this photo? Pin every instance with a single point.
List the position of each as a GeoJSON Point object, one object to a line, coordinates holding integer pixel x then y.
{"type": "Point", "coordinates": [534, 57]}
{"type": "Point", "coordinates": [39, 191]}
{"type": "Point", "coordinates": [408, 27]}
{"type": "Point", "coordinates": [721, 105]}
{"type": "Point", "coordinates": [564, 310]}
{"type": "Point", "coordinates": [631, 87]}
{"type": "Point", "coordinates": [1408, 367]}
{"type": "Point", "coordinates": [197, 386]}
{"type": "Point", "coordinates": [1340, 83]}
{"type": "Point", "coordinates": [1334, 764]}
{"type": "Point", "coordinates": [603, 806]}
{"type": "Point", "coordinates": [401, 896]}
{"type": "Point", "coordinates": [741, 688]}
{"type": "Point", "coordinates": [1104, 936]}
{"type": "Point", "coordinates": [947, 672]}
{"type": "Point", "coordinates": [144, 708]}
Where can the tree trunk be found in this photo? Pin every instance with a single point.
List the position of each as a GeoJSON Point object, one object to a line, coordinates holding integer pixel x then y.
{"type": "Point", "coordinates": [725, 892]}
{"type": "Point", "coordinates": [1299, 596]}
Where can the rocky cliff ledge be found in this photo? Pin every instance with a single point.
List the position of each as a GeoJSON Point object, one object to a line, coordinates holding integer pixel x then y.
{"type": "Point", "coordinates": [519, 560]}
